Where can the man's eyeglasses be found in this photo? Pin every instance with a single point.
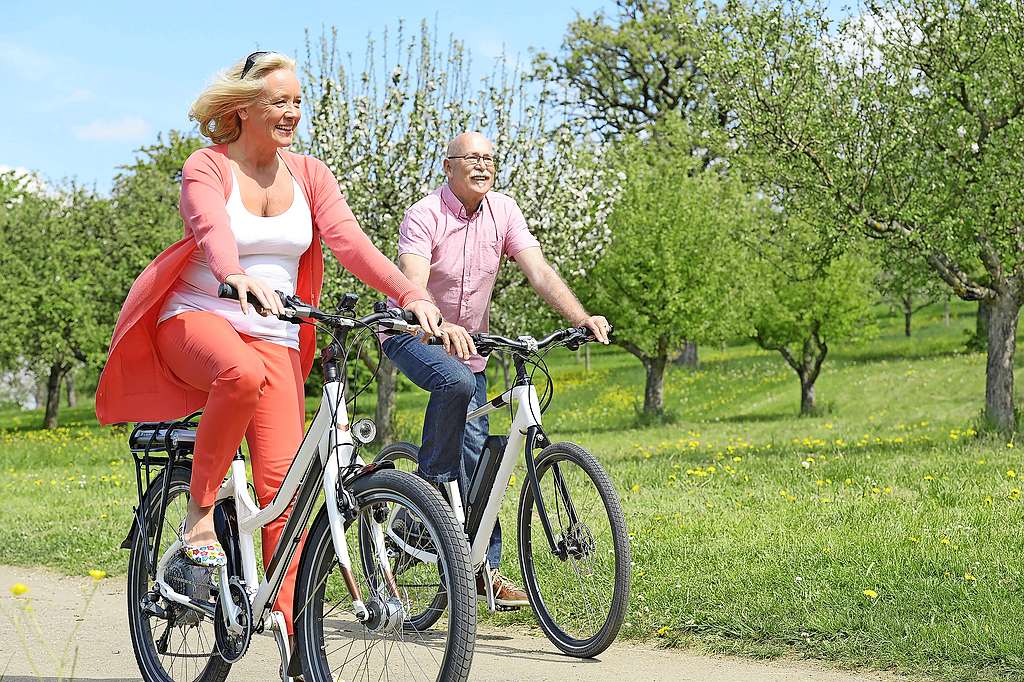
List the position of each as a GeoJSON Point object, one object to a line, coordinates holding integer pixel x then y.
{"type": "Point", "coordinates": [250, 61]}
{"type": "Point", "coordinates": [473, 159]}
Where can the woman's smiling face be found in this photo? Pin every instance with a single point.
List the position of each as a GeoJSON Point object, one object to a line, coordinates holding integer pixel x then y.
{"type": "Point", "coordinates": [276, 114]}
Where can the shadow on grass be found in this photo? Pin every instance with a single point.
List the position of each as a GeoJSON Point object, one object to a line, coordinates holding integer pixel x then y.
{"type": "Point", "coordinates": [787, 449]}
{"type": "Point", "coordinates": [754, 418]}
{"type": "Point", "coordinates": [868, 356]}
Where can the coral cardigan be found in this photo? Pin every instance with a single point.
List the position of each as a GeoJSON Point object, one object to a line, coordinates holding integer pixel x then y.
{"type": "Point", "coordinates": [135, 385]}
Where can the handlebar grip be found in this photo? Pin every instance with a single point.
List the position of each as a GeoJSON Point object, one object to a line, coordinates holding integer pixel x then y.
{"type": "Point", "coordinates": [226, 290]}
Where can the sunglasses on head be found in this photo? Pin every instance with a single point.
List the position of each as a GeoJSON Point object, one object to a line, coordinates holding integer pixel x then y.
{"type": "Point", "coordinates": [250, 61]}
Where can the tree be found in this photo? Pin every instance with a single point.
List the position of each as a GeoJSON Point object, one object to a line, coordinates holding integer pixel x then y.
{"type": "Point", "coordinates": [52, 285]}
{"type": "Point", "coordinates": [804, 304]}
{"type": "Point", "coordinates": [674, 269]}
{"type": "Point", "coordinates": [382, 130]}
{"type": "Point", "coordinates": [145, 197]}
{"type": "Point", "coordinates": [904, 123]}
{"type": "Point", "coordinates": [908, 285]}
{"type": "Point", "coordinates": [627, 73]}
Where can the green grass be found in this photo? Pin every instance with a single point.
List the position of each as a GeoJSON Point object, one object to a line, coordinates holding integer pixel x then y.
{"type": "Point", "coordinates": [753, 531]}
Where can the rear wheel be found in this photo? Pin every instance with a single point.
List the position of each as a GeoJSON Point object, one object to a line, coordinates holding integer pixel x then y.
{"type": "Point", "coordinates": [171, 642]}
{"type": "Point", "coordinates": [578, 592]}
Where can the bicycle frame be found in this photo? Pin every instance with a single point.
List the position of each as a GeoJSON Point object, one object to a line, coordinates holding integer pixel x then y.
{"type": "Point", "coordinates": [525, 424]}
{"type": "Point", "coordinates": [326, 449]}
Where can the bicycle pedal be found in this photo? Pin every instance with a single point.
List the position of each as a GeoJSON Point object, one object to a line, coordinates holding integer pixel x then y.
{"type": "Point", "coordinates": [500, 607]}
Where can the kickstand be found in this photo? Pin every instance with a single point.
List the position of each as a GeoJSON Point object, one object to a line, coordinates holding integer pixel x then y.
{"type": "Point", "coordinates": [489, 587]}
{"type": "Point", "coordinates": [283, 645]}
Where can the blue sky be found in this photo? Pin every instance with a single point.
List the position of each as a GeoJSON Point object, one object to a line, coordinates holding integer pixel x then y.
{"type": "Point", "coordinates": [87, 83]}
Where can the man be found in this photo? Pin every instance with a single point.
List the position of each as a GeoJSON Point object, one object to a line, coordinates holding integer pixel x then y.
{"type": "Point", "coordinates": [451, 242]}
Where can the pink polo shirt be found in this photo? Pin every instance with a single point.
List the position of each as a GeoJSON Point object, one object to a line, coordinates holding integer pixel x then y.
{"type": "Point", "coordinates": [464, 252]}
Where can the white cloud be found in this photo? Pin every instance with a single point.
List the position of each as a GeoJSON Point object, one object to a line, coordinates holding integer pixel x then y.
{"type": "Point", "coordinates": [125, 129]}
{"type": "Point", "coordinates": [24, 62]}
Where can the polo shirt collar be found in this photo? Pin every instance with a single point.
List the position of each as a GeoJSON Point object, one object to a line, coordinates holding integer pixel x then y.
{"type": "Point", "coordinates": [453, 204]}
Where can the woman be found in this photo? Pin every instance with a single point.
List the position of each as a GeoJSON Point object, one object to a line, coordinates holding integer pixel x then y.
{"type": "Point", "coordinates": [254, 216]}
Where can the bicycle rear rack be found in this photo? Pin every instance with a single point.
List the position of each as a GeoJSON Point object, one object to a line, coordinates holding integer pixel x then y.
{"type": "Point", "coordinates": [156, 447]}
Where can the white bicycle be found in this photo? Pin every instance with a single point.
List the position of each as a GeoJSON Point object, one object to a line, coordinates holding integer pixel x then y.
{"type": "Point", "coordinates": [573, 543]}
{"type": "Point", "coordinates": [353, 596]}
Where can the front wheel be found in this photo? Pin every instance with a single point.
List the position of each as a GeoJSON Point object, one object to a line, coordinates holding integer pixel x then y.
{"type": "Point", "coordinates": [333, 643]}
{"type": "Point", "coordinates": [579, 591]}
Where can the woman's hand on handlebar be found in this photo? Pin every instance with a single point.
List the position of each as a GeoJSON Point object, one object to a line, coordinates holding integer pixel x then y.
{"type": "Point", "coordinates": [428, 315]}
{"type": "Point", "coordinates": [268, 298]}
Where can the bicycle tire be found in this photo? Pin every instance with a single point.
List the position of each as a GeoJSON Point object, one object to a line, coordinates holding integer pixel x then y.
{"type": "Point", "coordinates": [529, 552]}
{"type": "Point", "coordinates": [144, 643]}
{"type": "Point", "coordinates": [318, 561]}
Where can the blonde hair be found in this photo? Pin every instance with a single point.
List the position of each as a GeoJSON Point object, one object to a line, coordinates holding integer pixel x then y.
{"type": "Point", "coordinates": [216, 108]}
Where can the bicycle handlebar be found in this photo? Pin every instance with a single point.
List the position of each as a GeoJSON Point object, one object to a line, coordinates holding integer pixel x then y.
{"type": "Point", "coordinates": [389, 320]}
{"type": "Point", "coordinates": [572, 337]}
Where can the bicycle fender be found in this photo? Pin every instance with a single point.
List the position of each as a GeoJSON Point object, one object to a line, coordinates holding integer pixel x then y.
{"type": "Point", "coordinates": [371, 468]}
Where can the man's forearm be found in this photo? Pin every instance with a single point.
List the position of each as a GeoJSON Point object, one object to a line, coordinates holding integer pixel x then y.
{"type": "Point", "coordinates": [558, 295]}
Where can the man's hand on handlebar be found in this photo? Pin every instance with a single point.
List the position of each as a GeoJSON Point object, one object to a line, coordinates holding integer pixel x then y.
{"type": "Point", "coordinates": [457, 341]}
{"type": "Point", "coordinates": [267, 297]}
{"type": "Point", "coordinates": [598, 325]}
{"type": "Point", "coordinates": [428, 315]}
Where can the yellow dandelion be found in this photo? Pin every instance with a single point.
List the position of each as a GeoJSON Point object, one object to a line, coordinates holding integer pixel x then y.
{"type": "Point", "coordinates": [18, 589]}
{"type": "Point", "coordinates": [1015, 494]}
{"type": "Point", "coordinates": [988, 499]}
{"type": "Point", "coordinates": [944, 541]}
{"type": "Point", "coordinates": [1010, 473]}
{"type": "Point", "coordinates": [97, 574]}
{"type": "Point", "coordinates": [664, 630]}
{"type": "Point", "coordinates": [635, 488]}
{"type": "Point", "coordinates": [914, 538]}
{"type": "Point", "coordinates": [870, 594]}
{"type": "Point", "coordinates": [969, 577]}
{"type": "Point", "coordinates": [929, 477]}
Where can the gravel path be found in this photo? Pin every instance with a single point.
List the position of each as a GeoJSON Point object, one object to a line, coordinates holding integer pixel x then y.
{"type": "Point", "coordinates": [104, 647]}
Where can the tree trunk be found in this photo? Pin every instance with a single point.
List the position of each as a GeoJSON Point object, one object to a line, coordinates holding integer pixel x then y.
{"type": "Point", "coordinates": [654, 389]}
{"type": "Point", "coordinates": [69, 382]}
{"type": "Point", "coordinates": [807, 406]}
{"type": "Point", "coordinates": [908, 310]}
{"type": "Point", "coordinates": [40, 393]}
{"type": "Point", "coordinates": [979, 342]}
{"type": "Point", "coordinates": [53, 383]}
{"type": "Point", "coordinates": [586, 358]}
{"type": "Point", "coordinates": [387, 379]}
{"type": "Point", "coordinates": [688, 355]}
{"type": "Point", "coordinates": [1001, 317]}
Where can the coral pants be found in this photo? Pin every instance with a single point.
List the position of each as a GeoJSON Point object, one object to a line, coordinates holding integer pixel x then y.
{"type": "Point", "coordinates": [255, 390]}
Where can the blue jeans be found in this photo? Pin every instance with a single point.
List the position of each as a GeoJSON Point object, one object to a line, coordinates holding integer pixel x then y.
{"type": "Point", "coordinates": [451, 447]}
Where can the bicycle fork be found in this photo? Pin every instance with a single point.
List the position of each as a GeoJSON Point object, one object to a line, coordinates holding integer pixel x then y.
{"type": "Point", "coordinates": [342, 509]}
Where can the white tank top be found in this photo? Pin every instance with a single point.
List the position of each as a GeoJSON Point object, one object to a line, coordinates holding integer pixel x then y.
{"type": "Point", "coordinates": [269, 248]}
